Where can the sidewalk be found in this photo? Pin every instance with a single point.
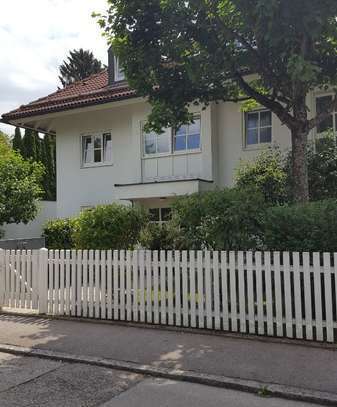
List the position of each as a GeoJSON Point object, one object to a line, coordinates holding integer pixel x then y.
{"type": "Point", "coordinates": [269, 362]}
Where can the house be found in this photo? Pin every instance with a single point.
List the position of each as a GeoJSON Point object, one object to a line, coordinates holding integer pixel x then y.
{"type": "Point", "coordinates": [103, 154]}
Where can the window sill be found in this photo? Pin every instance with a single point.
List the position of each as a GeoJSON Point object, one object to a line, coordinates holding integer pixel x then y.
{"type": "Point", "coordinates": [98, 165]}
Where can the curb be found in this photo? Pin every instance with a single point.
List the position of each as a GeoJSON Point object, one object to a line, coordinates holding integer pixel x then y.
{"type": "Point", "coordinates": [268, 389]}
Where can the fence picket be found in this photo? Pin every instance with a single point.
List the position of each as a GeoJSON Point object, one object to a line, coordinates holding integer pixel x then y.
{"type": "Point", "coordinates": [307, 296]}
{"type": "Point", "coordinates": [192, 289]}
{"type": "Point", "coordinates": [56, 282]}
{"type": "Point", "coordinates": [216, 288]}
{"type": "Point", "coordinates": [328, 298]}
{"type": "Point", "coordinates": [116, 285]}
{"type": "Point", "coordinates": [318, 297]}
{"type": "Point", "coordinates": [7, 294]}
{"type": "Point", "coordinates": [61, 282]}
{"type": "Point", "coordinates": [242, 302]}
{"type": "Point", "coordinates": [287, 295]}
{"type": "Point", "coordinates": [233, 296]}
{"type": "Point", "coordinates": [250, 292]}
{"type": "Point", "coordinates": [163, 318]}
{"type": "Point", "coordinates": [128, 287]}
{"type": "Point", "coordinates": [278, 294]}
{"type": "Point", "coordinates": [97, 284]}
{"type": "Point", "coordinates": [259, 293]}
{"type": "Point", "coordinates": [29, 280]}
{"type": "Point", "coordinates": [85, 284]}
{"type": "Point", "coordinates": [109, 284]}
{"type": "Point", "coordinates": [103, 284]}
{"type": "Point", "coordinates": [68, 282]}
{"type": "Point", "coordinates": [177, 285]}
{"type": "Point", "coordinates": [73, 282]}
{"type": "Point", "coordinates": [170, 288]}
{"type": "Point", "coordinates": [224, 292]}
{"type": "Point", "coordinates": [23, 279]}
{"type": "Point", "coordinates": [142, 285]}
{"type": "Point", "coordinates": [148, 267]}
{"type": "Point", "coordinates": [17, 278]}
{"type": "Point", "coordinates": [79, 295]}
{"type": "Point", "coordinates": [135, 285]}
{"type": "Point", "coordinates": [185, 288]}
{"type": "Point", "coordinates": [208, 290]}
{"type": "Point", "coordinates": [51, 281]}
{"type": "Point", "coordinates": [298, 295]}
{"type": "Point", "coordinates": [155, 266]}
{"type": "Point", "coordinates": [200, 279]}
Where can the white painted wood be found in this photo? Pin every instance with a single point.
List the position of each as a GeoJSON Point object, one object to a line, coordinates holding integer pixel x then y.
{"type": "Point", "coordinates": [192, 289]}
{"type": "Point", "coordinates": [12, 271]}
{"type": "Point", "coordinates": [17, 278]}
{"type": "Point", "coordinates": [135, 285]}
{"type": "Point", "coordinates": [79, 295]}
{"type": "Point", "coordinates": [56, 282]}
{"type": "Point", "coordinates": [177, 290]}
{"type": "Point", "coordinates": [163, 291]}
{"type": "Point", "coordinates": [122, 285]}
{"type": "Point", "coordinates": [328, 298]}
{"type": "Point", "coordinates": [250, 291]}
{"type": "Point", "coordinates": [259, 293]}
{"type": "Point", "coordinates": [29, 280]}
{"type": "Point", "coordinates": [51, 281]}
{"type": "Point", "coordinates": [23, 279]}
{"type": "Point", "coordinates": [7, 279]}
{"type": "Point", "coordinates": [233, 296]}
{"type": "Point", "coordinates": [208, 290]}
{"type": "Point", "coordinates": [298, 295]}
{"type": "Point", "coordinates": [184, 272]}
{"type": "Point", "coordinates": [269, 293]}
{"type": "Point", "coordinates": [43, 281]}
{"type": "Point", "coordinates": [109, 284]}
{"type": "Point", "coordinates": [103, 284]}
{"type": "Point", "coordinates": [148, 267]}
{"type": "Point", "coordinates": [2, 278]}
{"type": "Point", "coordinates": [62, 276]}
{"type": "Point", "coordinates": [170, 293]}
{"type": "Point", "coordinates": [287, 295]}
{"type": "Point", "coordinates": [97, 284]}
{"type": "Point", "coordinates": [128, 286]}
{"type": "Point", "coordinates": [307, 296]}
{"type": "Point", "coordinates": [278, 294]}
{"type": "Point", "coordinates": [318, 297]}
{"type": "Point", "coordinates": [68, 255]}
{"type": "Point", "coordinates": [116, 284]}
{"type": "Point", "coordinates": [335, 274]}
{"type": "Point", "coordinates": [85, 283]}
{"type": "Point", "coordinates": [142, 276]}
{"type": "Point", "coordinates": [242, 295]}
{"type": "Point", "coordinates": [73, 282]}
{"type": "Point", "coordinates": [200, 281]}
{"type": "Point", "coordinates": [155, 287]}
{"type": "Point", "coordinates": [224, 291]}
{"type": "Point", "coordinates": [216, 290]}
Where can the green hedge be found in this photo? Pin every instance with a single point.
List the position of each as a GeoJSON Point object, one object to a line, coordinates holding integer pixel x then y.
{"type": "Point", "coordinates": [109, 227]}
{"type": "Point", "coordinates": [59, 233]}
{"type": "Point", "coordinates": [305, 227]}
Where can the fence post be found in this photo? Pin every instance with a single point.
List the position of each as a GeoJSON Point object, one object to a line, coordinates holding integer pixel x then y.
{"type": "Point", "coordinates": [43, 281]}
{"type": "Point", "coordinates": [2, 277]}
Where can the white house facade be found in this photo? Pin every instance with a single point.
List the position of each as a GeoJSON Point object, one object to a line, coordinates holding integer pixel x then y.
{"type": "Point", "coordinates": [104, 155]}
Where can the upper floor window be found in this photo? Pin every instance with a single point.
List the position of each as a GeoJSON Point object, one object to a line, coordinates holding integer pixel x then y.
{"type": "Point", "coordinates": [187, 138]}
{"type": "Point", "coordinates": [119, 72]}
{"type": "Point", "coordinates": [330, 123]}
{"type": "Point", "coordinates": [258, 128]}
{"type": "Point", "coordinates": [96, 149]}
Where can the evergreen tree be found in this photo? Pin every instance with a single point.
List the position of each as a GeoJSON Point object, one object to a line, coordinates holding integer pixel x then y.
{"type": "Point", "coordinates": [17, 140]}
{"type": "Point", "coordinates": [29, 145]}
{"type": "Point", "coordinates": [79, 65]}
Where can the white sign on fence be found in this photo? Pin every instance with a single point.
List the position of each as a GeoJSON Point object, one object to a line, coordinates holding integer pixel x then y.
{"type": "Point", "coordinates": [276, 294]}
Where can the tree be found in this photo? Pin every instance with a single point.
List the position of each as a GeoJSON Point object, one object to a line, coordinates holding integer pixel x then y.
{"type": "Point", "coordinates": [17, 140]}
{"type": "Point", "coordinates": [178, 53]}
{"type": "Point", "coordinates": [20, 188]}
{"type": "Point", "coordinates": [29, 145]}
{"type": "Point", "coordinates": [79, 65]}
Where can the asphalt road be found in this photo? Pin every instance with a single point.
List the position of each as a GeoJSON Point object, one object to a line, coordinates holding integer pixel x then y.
{"type": "Point", "coordinates": [33, 382]}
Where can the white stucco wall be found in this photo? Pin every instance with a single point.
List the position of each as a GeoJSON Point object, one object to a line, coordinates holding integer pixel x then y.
{"type": "Point", "coordinates": [33, 229]}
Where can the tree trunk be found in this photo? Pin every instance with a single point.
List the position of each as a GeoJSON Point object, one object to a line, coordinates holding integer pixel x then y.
{"type": "Point", "coordinates": [299, 166]}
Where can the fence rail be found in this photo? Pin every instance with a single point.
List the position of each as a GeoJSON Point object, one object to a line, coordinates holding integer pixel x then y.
{"type": "Point", "coordinates": [284, 294]}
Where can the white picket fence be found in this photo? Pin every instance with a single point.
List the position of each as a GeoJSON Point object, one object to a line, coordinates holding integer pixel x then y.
{"type": "Point", "coordinates": [275, 294]}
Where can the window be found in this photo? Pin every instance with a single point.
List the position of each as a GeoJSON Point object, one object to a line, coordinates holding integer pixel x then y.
{"type": "Point", "coordinates": [258, 128]}
{"type": "Point", "coordinates": [119, 73]}
{"type": "Point", "coordinates": [330, 123]}
{"type": "Point", "coordinates": [185, 139]}
{"type": "Point", "coordinates": [188, 137]}
{"type": "Point", "coordinates": [160, 215]}
{"type": "Point", "coordinates": [96, 149]}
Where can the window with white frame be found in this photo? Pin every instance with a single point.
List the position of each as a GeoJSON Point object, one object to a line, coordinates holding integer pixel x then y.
{"type": "Point", "coordinates": [96, 149]}
{"type": "Point", "coordinates": [160, 215]}
{"type": "Point", "coordinates": [258, 128]}
{"type": "Point", "coordinates": [119, 72]}
{"type": "Point", "coordinates": [187, 138]}
{"type": "Point", "coordinates": [330, 123]}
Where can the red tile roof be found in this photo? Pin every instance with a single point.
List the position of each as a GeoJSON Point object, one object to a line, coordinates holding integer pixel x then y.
{"type": "Point", "coordinates": [91, 91]}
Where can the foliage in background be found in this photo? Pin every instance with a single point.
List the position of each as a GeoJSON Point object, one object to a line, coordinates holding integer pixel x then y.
{"type": "Point", "coordinates": [220, 220]}
{"type": "Point", "coordinates": [79, 65]}
{"type": "Point", "coordinates": [42, 150]}
{"type": "Point", "coordinates": [20, 188]}
{"type": "Point", "coordinates": [301, 227]}
{"type": "Point", "coordinates": [179, 53]}
{"type": "Point", "coordinates": [109, 227]}
{"type": "Point", "coordinates": [156, 236]}
{"type": "Point", "coordinates": [59, 233]}
{"type": "Point", "coordinates": [267, 174]}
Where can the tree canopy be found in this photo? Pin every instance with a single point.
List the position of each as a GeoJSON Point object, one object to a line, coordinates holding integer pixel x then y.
{"type": "Point", "coordinates": [178, 53]}
{"type": "Point", "coordinates": [79, 65]}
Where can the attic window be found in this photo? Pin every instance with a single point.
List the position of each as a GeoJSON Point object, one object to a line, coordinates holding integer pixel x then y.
{"type": "Point", "coordinates": [119, 73]}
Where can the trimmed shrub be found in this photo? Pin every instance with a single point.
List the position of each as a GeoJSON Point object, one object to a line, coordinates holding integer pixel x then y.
{"type": "Point", "coordinates": [267, 174]}
{"type": "Point", "coordinates": [220, 220]}
{"type": "Point", "coordinates": [159, 237]}
{"type": "Point", "coordinates": [109, 227]}
{"type": "Point", "coordinates": [302, 227]}
{"type": "Point", "coordinates": [59, 233]}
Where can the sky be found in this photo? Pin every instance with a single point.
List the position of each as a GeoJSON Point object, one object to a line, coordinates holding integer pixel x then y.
{"type": "Point", "coordinates": [35, 38]}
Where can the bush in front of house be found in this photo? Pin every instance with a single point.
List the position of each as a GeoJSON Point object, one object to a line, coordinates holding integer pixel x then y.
{"type": "Point", "coordinates": [156, 236]}
{"type": "Point", "coordinates": [108, 227]}
{"type": "Point", "coordinates": [226, 219]}
{"type": "Point", "coordinates": [301, 227]}
{"type": "Point", "coordinates": [59, 233]}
